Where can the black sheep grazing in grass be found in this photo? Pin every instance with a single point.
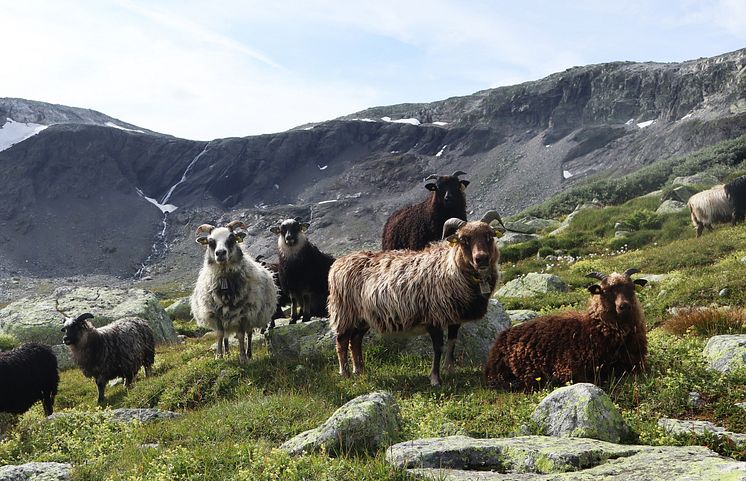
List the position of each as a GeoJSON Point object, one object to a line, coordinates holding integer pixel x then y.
{"type": "Point", "coordinates": [28, 374]}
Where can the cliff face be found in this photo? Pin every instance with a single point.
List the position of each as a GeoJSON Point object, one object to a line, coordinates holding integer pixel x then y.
{"type": "Point", "coordinates": [77, 181]}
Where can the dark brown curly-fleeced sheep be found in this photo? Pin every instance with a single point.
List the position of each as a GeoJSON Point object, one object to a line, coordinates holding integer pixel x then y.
{"type": "Point", "coordinates": [607, 340]}
{"type": "Point", "coordinates": [28, 374]}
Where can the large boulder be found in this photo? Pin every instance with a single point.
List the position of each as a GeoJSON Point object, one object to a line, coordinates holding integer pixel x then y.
{"type": "Point", "coordinates": [541, 458]}
{"type": "Point", "coordinates": [364, 424]}
{"type": "Point", "coordinates": [670, 207]}
{"type": "Point", "coordinates": [726, 353]}
{"type": "Point", "coordinates": [579, 208]}
{"type": "Point", "coordinates": [39, 318]}
{"type": "Point", "coordinates": [510, 238]}
{"type": "Point", "coordinates": [122, 415]}
{"type": "Point", "coordinates": [180, 309]}
{"type": "Point", "coordinates": [303, 340]}
{"type": "Point", "coordinates": [580, 411]}
{"type": "Point", "coordinates": [532, 284]}
{"type": "Point", "coordinates": [701, 178]}
{"type": "Point", "coordinates": [680, 194]}
{"type": "Point", "coordinates": [36, 472]}
{"type": "Point", "coordinates": [518, 316]}
{"type": "Point", "coordinates": [679, 427]}
{"type": "Point", "coordinates": [531, 225]}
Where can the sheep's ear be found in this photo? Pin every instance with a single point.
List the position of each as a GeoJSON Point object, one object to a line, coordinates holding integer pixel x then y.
{"type": "Point", "coordinates": [640, 282]}
{"type": "Point", "coordinates": [464, 184]}
{"type": "Point", "coordinates": [498, 232]}
{"type": "Point", "coordinates": [595, 289]}
{"type": "Point", "coordinates": [304, 226]}
{"type": "Point", "coordinates": [431, 186]}
{"type": "Point", "coordinates": [240, 236]}
{"type": "Point", "coordinates": [452, 239]}
{"type": "Point", "coordinates": [201, 240]}
{"type": "Point", "coordinates": [275, 230]}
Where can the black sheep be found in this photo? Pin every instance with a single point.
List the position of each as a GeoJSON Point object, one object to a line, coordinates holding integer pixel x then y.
{"type": "Point", "coordinates": [303, 270]}
{"type": "Point", "coordinates": [415, 226]}
{"type": "Point", "coordinates": [735, 190]}
{"type": "Point", "coordinates": [282, 298]}
{"type": "Point", "coordinates": [113, 351]}
{"type": "Point", "coordinates": [28, 374]}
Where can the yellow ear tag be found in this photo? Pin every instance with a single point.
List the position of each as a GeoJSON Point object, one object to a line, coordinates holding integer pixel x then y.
{"type": "Point", "coordinates": [499, 233]}
{"type": "Point", "coordinates": [453, 241]}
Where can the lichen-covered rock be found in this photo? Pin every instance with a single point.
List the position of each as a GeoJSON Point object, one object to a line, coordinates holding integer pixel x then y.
{"type": "Point", "coordinates": [38, 318]}
{"type": "Point", "coordinates": [582, 411]}
{"type": "Point", "coordinates": [680, 427]}
{"type": "Point", "coordinates": [180, 309]}
{"type": "Point", "coordinates": [36, 472]}
{"type": "Point", "coordinates": [703, 179]}
{"type": "Point", "coordinates": [532, 284]}
{"type": "Point", "coordinates": [364, 424]}
{"type": "Point", "coordinates": [726, 353]}
{"type": "Point", "coordinates": [517, 316]}
{"type": "Point", "coordinates": [681, 194]}
{"type": "Point", "coordinates": [579, 208]}
{"type": "Point", "coordinates": [64, 359]}
{"type": "Point", "coordinates": [300, 340]}
{"type": "Point", "coordinates": [123, 415]}
{"type": "Point", "coordinates": [510, 238]}
{"type": "Point", "coordinates": [531, 225]}
{"type": "Point", "coordinates": [670, 206]}
{"type": "Point", "coordinates": [540, 458]}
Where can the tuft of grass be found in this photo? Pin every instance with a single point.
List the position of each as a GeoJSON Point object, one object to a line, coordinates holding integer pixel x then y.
{"type": "Point", "coordinates": [8, 342]}
{"type": "Point", "coordinates": [706, 322]}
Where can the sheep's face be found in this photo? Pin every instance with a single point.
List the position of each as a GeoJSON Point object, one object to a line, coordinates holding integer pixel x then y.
{"type": "Point", "coordinates": [617, 294]}
{"type": "Point", "coordinates": [476, 245]}
{"type": "Point", "coordinates": [222, 245]}
{"type": "Point", "coordinates": [291, 233]}
{"type": "Point", "coordinates": [448, 190]}
{"type": "Point", "coordinates": [76, 329]}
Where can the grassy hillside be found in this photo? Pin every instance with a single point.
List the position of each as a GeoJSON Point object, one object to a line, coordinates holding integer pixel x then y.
{"type": "Point", "coordinates": [234, 417]}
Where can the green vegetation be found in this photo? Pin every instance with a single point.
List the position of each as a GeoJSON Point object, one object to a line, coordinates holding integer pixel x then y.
{"type": "Point", "coordinates": [7, 342]}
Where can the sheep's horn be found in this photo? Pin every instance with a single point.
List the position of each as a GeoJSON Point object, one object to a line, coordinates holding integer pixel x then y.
{"type": "Point", "coordinates": [431, 177]}
{"type": "Point", "coordinates": [84, 316]}
{"type": "Point", "coordinates": [457, 173]}
{"type": "Point", "coordinates": [452, 225]}
{"type": "Point", "coordinates": [491, 215]}
{"type": "Point", "coordinates": [204, 228]}
{"type": "Point", "coordinates": [631, 271]}
{"type": "Point", "coordinates": [234, 224]}
{"type": "Point", "coordinates": [597, 275]}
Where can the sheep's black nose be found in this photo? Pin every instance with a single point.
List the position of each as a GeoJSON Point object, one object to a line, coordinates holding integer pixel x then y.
{"type": "Point", "coordinates": [482, 260]}
{"type": "Point", "coordinates": [624, 307]}
{"type": "Point", "coordinates": [220, 253]}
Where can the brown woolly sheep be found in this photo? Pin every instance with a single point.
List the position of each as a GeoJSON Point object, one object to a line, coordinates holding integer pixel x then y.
{"type": "Point", "coordinates": [609, 339]}
{"type": "Point", "coordinates": [438, 288]}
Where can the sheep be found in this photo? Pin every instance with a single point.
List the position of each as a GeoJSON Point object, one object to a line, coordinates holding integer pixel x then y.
{"type": "Point", "coordinates": [405, 291]}
{"type": "Point", "coordinates": [282, 298]}
{"type": "Point", "coordinates": [415, 226]}
{"type": "Point", "coordinates": [735, 190]}
{"type": "Point", "coordinates": [713, 206]}
{"type": "Point", "coordinates": [608, 339]}
{"type": "Point", "coordinates": [233, 292]}
{"type": "Point", "coordinates": [303, 270]}
{"type": "Point", "coordinates": [116, 350]}
{"type": "Point", "coordinates": [28, 374]}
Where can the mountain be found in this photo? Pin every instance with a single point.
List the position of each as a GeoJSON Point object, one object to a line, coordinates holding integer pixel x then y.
{"type": "Point", "coordinates": [84, 184]}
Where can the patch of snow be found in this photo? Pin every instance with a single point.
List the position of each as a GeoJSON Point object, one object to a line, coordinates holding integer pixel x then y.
{"type": "Point", "coordinates": [277, 187]}
{"type": "Point", "coordinates": [395, 151]}
{"type": "Point", "coordinates": [327, 201]}
{"type": "Point", "coordinates": [629, 122]}
{"type": "Point", "coordinates": [440, 123]}
{"type": "Point", "coordinates": [356, 195]}
{"type": "Point", "coordinates": [687, 116]}
{"type": "Point", "coordinates": [365, 120]}
{"type": "Point", "coordinates": [566, 174]}
{"type": "Point", "coordinates": [411, 121]}
{"type": "Point", "coordinates": [440, 152]}
{"type": "Point", "coordinates": [166, 197]}
{"type": "Point", "coordinates": [322, 167]}
{"type": "Point", "coordinates": [386, 119]}
{"type": "Point", "coordinates": [112, 124]}
{"type": "Point", "coordinates": [309, 128]}
{"type": "Point", "coordinates": [548, 145]}
{"type": "Point", "coordinates": [15, 132]}
{"type": "Point", "coordinates": [647, 123]}
{"type": "Point", "coordinates": [165, 208]}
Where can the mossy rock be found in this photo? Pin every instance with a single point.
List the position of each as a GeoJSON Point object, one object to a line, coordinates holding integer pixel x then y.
{"type": "Point", "coordinates": [726, 353]}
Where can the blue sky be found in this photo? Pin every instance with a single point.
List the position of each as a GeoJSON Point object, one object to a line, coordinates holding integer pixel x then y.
{"type": "Point", "coordinates": [204, 70]}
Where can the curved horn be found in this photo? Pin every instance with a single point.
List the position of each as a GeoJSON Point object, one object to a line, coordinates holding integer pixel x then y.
{"type": "Point", "coordinates": [452, 225]}
{"type": "Point", "coordinates": [491, 215]}
{"type": "Point", "coordinates": [204, 228]}
{"type": "Point", "coordinates": [431, 177]}
{"type": "Point", "coordinates": [457, 173]}
{"type": "Point", "coordinates": [631, 271]}
{"type": "Point", "coordinates": [597, 275]}
{"type": "Point", "coordinates": [85, 316]}
{"type": "Point", "coordinates": [234, 224]}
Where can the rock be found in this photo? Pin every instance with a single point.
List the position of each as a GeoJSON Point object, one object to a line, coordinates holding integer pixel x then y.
{"type": "Point", "coordinates": [180, 309]}
{"type": "Point", "coordinates": [124, 415]}
{"type": "Point", "coordinates": [64, 359]}
{"type": "Point", "coordinates": [532, 284]}
{"type": "Point", "coordinates": [517, 316]}
{"type": "Point", "coordinates": [678, 427]}
{"type": "Point", "coordinates": [654, 278]}
{"type": "Point", "coordinates": [306, 339]}
{"type": "Point", "coordinates": [566, 223]}
{"type": "Point", "coordinates": [37, 318]}
{"type": "Point", "coordinates": [580, 411]}
{"type": "Point", "coordinates": [36, 472]}
{"type": "Point", "coordinates": [541, 458]}
{"type": "Point", "coordinates": [680, 194]}
{"type": "Point", "coordinates": [621, 233]}
{"type": "Point", "coordinates": [258, 340]}
{"type": "Point", "coordinates": [531, 225]}
{"type": "Point", "coordinates": [701, 178]}
{"type": "Point", "coordinates": [727, 352]}
{"type": "Point", "coordinates": [364, 424]}
{"type": "Point", "coordinates": [741, 405]}
{"type": "Point", "coordinates": [670, 207]}
{"type": "Point", "coordinates": [724, 292]}
{"type": "Point", "coordinates": [510, 238]}
{"type": "Point", "coordinates": [695, 400]}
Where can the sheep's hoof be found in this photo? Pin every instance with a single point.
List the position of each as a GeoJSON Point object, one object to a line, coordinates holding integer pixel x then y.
{"type": "Point", "coordinates": [449, 367]}
{"type": "Point", "coordinates": [344, 373]}
{"type": "Point", "coordinates": [243, 359]}
{"type": "Point", "coordinates": [218, 355]}
{"type": "Point", "coordinates": [293, 321]}
{"type": "Point", "coordinates": [435, 381]}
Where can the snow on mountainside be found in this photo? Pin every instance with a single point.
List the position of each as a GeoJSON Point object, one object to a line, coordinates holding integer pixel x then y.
{"type": "Point", "coordinates": [13, 132]}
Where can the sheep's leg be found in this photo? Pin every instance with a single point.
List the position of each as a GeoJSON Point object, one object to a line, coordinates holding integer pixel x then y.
{"type": "Point", "coordinates": [294, 309]}
{"type": "Point", "coordinates": [306, 307]}
{"type": "Point", "coordinates": [356, 345]}
{"type": "Point", "coordinates": [700, 228]}
{"type": "Point", "coordinates": [219, 335]}
{"type": "Point", "coordinates": [227, 345]}
{"type": "Point", "coordinates": [101, 385]}
{"type": "Point", "coordinates": [148, 370]}
{"type": "Point", "coordinates": [343, 342]}
{"type": "Point", "coordinates": [436, 335]}
{"type": "Point", "coordinates": [449, 363]}
{"type": "Point", "coordinates": [48, 403]}
{"type": "Point", "coordinates": [241, 347]}
{"type": "Point", "coordinates": [249, 334]}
